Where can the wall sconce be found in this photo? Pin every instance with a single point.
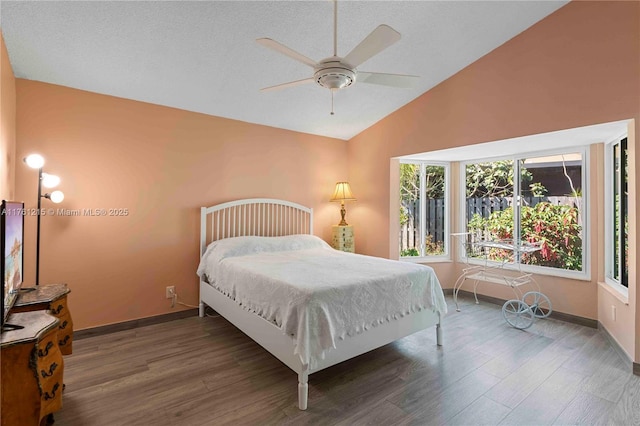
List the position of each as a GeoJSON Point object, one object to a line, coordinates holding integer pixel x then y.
{"type": "Point", "coordinates": [36, 161]}
{"type": "Point", "coordinates": [343, 193]}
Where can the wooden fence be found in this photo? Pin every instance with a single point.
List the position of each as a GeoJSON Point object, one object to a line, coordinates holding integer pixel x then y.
{"type": "Point", "coordinates": [409, 232]}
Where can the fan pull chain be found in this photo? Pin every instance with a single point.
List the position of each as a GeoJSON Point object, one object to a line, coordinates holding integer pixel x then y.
{"type": "Point", "coordinates": [332, 90]}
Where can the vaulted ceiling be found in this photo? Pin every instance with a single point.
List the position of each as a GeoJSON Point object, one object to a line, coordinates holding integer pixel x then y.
{"type": "Point", "coordinates": [202, 56]}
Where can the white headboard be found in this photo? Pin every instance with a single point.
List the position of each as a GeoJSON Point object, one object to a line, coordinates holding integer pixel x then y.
{"type": "Point", "coordinates": [263, 217]}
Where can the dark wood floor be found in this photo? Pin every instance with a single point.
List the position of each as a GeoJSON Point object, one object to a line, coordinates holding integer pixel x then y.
{"type": "Point", "coordinates": [205, 372]}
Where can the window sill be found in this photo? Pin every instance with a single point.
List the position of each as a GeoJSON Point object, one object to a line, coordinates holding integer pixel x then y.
{"type": "Point", "coordinates": [616, 290]}
{"type": "Point", "coordinates": [426, 259]}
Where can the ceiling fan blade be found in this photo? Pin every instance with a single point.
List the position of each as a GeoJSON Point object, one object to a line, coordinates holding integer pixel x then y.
{"type": "Point", "coordinates": [281, 48]}
{"type": "Point", "coordinates": [393, 80]}
{"type": "Point", "coordinates": [379, 39]}
{"type": "Point", "coordinates": [289, 84]}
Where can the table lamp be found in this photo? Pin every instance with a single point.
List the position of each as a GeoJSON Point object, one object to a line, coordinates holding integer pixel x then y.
{"type": "Point", "coordinates": [342, 194]}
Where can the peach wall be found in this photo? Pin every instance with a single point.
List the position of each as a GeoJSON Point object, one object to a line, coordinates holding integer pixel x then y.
{"type": "Point", "coordinates": [161, 164]}
{"type": "Point", "coordinates": [623, 326]}
{"type": "Point", "coordinates": [577, 67]}
{"type": "Point", "coordinates": [7, 125]}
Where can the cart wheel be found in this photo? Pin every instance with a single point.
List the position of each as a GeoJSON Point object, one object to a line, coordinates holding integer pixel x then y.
{"type": "Point", "coordinates": [539, 303]}
{"type": "Point", "coordinates": [517, 314]}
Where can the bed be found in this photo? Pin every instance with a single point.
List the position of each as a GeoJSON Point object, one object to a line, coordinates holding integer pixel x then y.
{"type": "Point", "coordinates": [307, 304]}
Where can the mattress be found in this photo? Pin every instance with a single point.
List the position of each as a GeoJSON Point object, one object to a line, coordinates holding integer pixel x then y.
{"type": "Point", "coordinates": [314, 293]}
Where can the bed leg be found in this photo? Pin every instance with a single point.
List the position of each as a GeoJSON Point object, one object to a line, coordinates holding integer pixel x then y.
{"type": "Point", "coordinates": [303, 390]}
{"type": "Point", "coordinates": [201, 309]}
{"type": "Point", "coordinates": [438, 334]}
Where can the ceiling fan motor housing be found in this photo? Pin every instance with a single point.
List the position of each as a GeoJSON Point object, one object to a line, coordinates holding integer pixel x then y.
{"type": "Point", "coordinates": [331, 73]}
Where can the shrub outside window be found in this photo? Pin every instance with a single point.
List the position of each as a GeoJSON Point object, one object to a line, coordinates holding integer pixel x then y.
{"type": "Point", "coordinates": [536, 199]}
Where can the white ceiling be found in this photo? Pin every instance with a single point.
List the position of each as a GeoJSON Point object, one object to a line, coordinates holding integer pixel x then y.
{"type": "Point", "coordinates": [202, 56]}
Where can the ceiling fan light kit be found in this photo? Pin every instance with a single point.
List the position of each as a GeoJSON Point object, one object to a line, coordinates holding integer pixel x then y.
{"type": "Point", "coordinates": [332, 73]}
{"type": "Point", "coordinates": [335, 73]}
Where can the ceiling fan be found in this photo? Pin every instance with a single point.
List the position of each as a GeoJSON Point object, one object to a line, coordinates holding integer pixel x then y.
{"type": "Point", "coordinates": [335, 72]}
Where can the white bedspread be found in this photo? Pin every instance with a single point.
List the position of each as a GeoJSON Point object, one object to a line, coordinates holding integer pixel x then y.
{"type": "Point", "coordinates": [314, 293]}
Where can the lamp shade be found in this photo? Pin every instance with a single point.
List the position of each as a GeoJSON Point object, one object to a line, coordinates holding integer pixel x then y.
{"type": "Point", "coordinates": [50, 181]}
{"type": "Point", "coordinates": [35, 161]}
{"type": "Point", "coordinates": [342, 192]}
{"type": "Point", "coordinates": [56, 196]}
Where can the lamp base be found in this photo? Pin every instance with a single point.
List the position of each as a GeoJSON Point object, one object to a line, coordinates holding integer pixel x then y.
{"type": "Point", "coordinates": [343, 212]}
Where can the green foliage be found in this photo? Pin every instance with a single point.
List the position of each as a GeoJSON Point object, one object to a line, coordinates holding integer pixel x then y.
{"type": "Point", "coordinates": [434, 182]}
{"type": "Point", "coordinates": [495, 179]}
{"type": "Point", "coordinates": [410, 182]}
{"type": "Point", "coordinates": [409, 252]}
{"type": "Point", "coordinates": [537, 189]}
{"type": "Point", "coordinates": [431, 248]}
{"type": "Point", "coordinates": [404, 216]}
{"type": "Point", "coordinates": [554, 227]}
{"type": "Point", "coordinates": [577, 192]}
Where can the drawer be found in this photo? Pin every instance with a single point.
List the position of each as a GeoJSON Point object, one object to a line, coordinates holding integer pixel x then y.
{"type": "Point", "coordinates": [344, 245]}
{"type": "Point", "coordinates": [49, 367]}
{"type": "Point", "coordinates": [58, 307]}
{"type": "Point", "coordinates": [343, 241]}
{"type": "Point", "coordinates": [46, 347]}
{"type": "Point", "coordinates": [65, 334]}
{"type": "Point", "coordinates": [60, 310]}
{"type": "Point", "coordinates": [48, 359]}
{"type": "Point", "coordinates": [342, 238]}
{"type": "Point", "coordinates": [51, 397]}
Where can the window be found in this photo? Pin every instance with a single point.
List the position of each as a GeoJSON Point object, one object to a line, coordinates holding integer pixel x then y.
{"type": "Point", "coordinates": [530, 199]}
{"type": "Point", "coordinates": [424, 211]}
{"type": "Point", "coordinates": [616, 216]}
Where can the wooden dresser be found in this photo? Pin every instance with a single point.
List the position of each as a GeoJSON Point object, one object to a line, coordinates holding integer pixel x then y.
{"type": "Point", "coordinates": [32, 369]}
{"type": "Point", "coordinates": [51, 297]}
{"type": "Point", "coordinates": [343, 238]}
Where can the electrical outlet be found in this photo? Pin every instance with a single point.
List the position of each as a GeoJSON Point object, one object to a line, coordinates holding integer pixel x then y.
{"type": "Point", "coordinates": [170, 291]}
{"type": "Point", "coordinates": [613, 312]}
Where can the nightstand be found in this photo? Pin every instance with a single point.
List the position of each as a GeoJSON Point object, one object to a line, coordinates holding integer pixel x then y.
{"type": "Point", "coordinates": [343, 238]}
{"type": "Point", "coordinates": [53, 298]}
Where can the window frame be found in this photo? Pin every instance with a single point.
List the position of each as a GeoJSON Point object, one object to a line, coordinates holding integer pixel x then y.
{"type": "Point", "coordinates": [609, 206]}
{"type": "Point", "coordinates": [585, 274]}
{"type": "Point", "coordinates": [446, 256]}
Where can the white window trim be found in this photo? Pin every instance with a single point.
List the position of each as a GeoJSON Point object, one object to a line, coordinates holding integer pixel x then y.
{"type": "Point", "coordinates": [616, 289]}
{"type": "Point", "coordinates": [446, 257]}
{"type": "Point", "coordinates": [585, 274]}
{"type": "Point", "coordinates": [608, 217]}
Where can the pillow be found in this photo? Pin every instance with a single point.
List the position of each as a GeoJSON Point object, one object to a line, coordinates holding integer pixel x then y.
{"type": "Point", "coordinates": [242, 246]}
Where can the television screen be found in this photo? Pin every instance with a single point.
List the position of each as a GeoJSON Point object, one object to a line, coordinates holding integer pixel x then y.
{"type": "Point", "coordinates": [12, 228]}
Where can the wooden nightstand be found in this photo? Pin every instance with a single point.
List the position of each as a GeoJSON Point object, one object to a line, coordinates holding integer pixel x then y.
{"type": "Point", "coordinates": [53, 298]}
{"type": "Point", "coordinates": [343, 238]}
{"type": "Point", "coordinates": [32, 369]}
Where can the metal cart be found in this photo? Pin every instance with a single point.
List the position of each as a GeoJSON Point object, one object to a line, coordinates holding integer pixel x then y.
{"type": "Point", "coordinates": [527, 306]}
